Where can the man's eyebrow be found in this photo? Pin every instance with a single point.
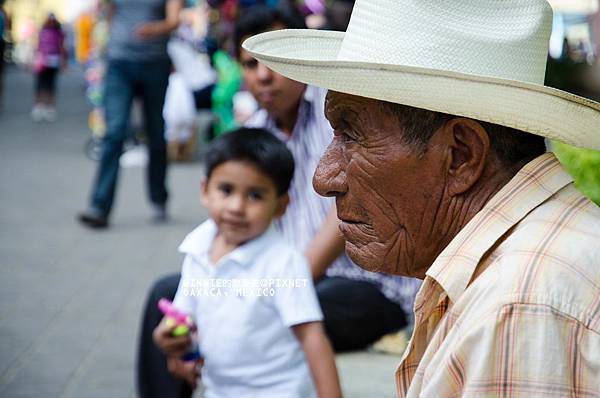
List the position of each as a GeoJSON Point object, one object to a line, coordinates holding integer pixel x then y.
{"type": "Point", "coordinates": [334, 111]}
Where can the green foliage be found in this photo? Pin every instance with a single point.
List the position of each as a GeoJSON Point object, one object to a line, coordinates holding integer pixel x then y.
{"type": "Point", "coordinates": [584, 165]}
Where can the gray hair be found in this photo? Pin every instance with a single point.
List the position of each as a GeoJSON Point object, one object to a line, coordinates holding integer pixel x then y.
{"type": "Point", "coordinates": [510, 145]}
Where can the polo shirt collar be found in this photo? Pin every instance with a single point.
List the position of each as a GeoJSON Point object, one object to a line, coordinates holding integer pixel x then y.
{"type": "Point", "coordinates": [198, 244]}
{"type": "Point", "coordinates": [537, 181]}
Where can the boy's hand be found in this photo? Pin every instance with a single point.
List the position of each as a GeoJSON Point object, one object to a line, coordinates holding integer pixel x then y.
{"type": "Point", "coordinates": [186, 370]}
{"type": "Point", "coordinates": [169, 344]}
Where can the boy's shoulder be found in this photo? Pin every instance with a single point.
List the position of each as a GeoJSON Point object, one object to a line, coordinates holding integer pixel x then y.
{"type": "Point", "coordinates": [198, 241]}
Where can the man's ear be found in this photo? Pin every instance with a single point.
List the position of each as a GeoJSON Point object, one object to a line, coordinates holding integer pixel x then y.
{"type": "Point", "coordinates": [282, 204]}
{"type": "Point", "coordinates": [204, 191]}
{"type": "Point", "coordinates": [469, 149]}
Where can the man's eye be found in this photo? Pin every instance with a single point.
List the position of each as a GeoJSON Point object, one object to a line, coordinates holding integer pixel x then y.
{"type": "Point", "coordinates": [226, 189]}
{"type": "Point", "coordinates": [255, 195]}
{"type": "Point", "coordinates": [344, 134]}
{"type": "Point", "coordinates": [250, 64]}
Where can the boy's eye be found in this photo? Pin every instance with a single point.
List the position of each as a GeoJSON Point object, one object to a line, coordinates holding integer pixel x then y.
{"type": "Point", "coordinates": [255, 195]}
{"type": "Point", "coordinates": [225, 189]}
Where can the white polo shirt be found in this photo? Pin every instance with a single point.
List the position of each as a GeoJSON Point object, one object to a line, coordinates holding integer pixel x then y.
{"type": "Point", "coordinates": [244, 307]}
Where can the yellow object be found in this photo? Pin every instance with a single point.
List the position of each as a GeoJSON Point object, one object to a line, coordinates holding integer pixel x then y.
{"type": "Point", "coordinates": [83, 37]}
{"type": "Point", "coordinates": [181, 330]}
{"type": "Point", "coordinates": [393, 343]}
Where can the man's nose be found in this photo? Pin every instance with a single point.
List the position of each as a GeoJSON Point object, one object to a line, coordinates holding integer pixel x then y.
{"type": "Point", "coordinates": [264, 73]}
{"type": "Point", "coordinates": [330, 175]}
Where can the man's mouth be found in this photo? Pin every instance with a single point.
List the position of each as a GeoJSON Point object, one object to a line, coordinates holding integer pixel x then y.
{"type": "Point", "coordinates": [349, 218]}
{"type": "Point", "coordinates": [351, 228]}
{"type": "Point", "coordinates": [266, 96]}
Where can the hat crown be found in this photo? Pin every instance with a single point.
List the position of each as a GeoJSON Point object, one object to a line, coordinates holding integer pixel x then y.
{"type": "Point", "coordinates": [496, 38]}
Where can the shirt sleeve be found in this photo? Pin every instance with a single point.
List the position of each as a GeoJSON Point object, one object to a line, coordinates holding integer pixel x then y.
{"type": "Point", "coordinates": [524, 350]}
{"type": "Point", "coordinates": [295, 297]}
{"type": "Point", "coordinates": [183, 301]}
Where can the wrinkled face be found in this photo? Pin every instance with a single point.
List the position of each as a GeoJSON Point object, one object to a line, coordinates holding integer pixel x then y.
{"type": "Point", "coordinates": [278, 95]}
{"type": "Point", "coordinates": [242, 201]}
{"type": "Point", "coordinates": [387, 192]}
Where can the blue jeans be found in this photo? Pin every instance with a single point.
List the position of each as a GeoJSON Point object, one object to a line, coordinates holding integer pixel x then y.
{"type": "Point", "coordinates": [123, 80]}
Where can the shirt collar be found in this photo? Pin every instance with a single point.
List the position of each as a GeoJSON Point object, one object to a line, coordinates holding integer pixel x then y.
{"type": "Point", "coordinates": [198, 244]}
{"type": "Point", "coordinates": [541, 178]}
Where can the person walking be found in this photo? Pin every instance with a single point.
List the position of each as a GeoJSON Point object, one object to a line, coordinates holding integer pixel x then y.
{"type": "Point", "coordinates": [137, 63]}
{"type": "Point", "coordinates": [49, 58]}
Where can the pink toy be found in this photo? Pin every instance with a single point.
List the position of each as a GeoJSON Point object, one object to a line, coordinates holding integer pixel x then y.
{"type": "Point", "coordinates": [185, 324]}
{"type": "Point", "coordinates": [180, 318]}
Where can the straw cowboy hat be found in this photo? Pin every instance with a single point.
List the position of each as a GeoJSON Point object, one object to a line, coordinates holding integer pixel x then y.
{"type": "Point", "coordinates": [482, 59]}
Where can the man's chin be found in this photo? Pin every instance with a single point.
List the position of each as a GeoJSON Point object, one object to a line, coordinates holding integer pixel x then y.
{"type": "Point", "coordinates": [364, 258]}
{"type": "Point", "coordinates": [373, 261]}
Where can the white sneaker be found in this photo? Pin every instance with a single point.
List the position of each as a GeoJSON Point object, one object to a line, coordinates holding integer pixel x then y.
{"type": "Point", "coordinates": [50, 114]}
{"type": "Point", "coordinates": [38, 113]}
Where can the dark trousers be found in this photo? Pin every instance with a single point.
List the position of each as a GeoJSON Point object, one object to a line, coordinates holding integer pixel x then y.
{"type": "Point", "coordinates": [123, 79]}
{"type": "Point", "coordinates": [356, 315]}
{"type": "Point", "coordinates": [45, 80]}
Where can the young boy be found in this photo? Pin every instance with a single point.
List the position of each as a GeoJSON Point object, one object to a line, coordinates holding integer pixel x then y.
{"type": "Point", "coordinates": [259, 321]}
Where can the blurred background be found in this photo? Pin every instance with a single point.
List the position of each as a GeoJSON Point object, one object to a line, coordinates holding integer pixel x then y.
{"type": "Point", "coordinates": [70, 298]}
{"type": "Point", "coordinates": [572, 66]}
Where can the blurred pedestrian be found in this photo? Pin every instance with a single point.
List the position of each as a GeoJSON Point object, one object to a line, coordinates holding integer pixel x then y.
{"type": "Point", "coordinates": [49, 58]}
{"type": "Point", "coordinates": [137, 63]}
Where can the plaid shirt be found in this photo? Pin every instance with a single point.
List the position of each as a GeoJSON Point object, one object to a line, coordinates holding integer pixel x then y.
{"type": "Point", "coordinates": [511, 308]}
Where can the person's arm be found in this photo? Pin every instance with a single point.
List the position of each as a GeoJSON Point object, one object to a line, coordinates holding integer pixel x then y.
{"type": "Point", "coordinates": [327, 244]}
{"type": "Point", "coordinates": [64, 53]}
{"type": "Point", "coordinates": [152, 29]}
{"type": "Point", "coordinates": [319, 355]}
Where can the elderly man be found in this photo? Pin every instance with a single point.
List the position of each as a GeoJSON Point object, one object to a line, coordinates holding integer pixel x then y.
{"type": "Point", "coordinates": [439, 171]}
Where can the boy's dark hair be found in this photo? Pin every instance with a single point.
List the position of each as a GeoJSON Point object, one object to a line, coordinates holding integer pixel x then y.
{"type": "Point", "coordinates": [258, 19]}
{"type": "Point", "coordinates": [258, 147]}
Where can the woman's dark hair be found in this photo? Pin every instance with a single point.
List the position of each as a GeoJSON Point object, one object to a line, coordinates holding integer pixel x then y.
{"type": "Point", "coordinates": [258, 19]}
{"type": "Point", "coordinates": [258, 147]}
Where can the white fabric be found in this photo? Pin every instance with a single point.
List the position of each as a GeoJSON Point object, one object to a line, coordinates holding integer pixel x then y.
{"type": "Point", "coordinates": [195, 67]}
{"type": "Point", "coordinates": [179, 110]}
{"type": "Point", "coordinates": [483, 59]}
{"type": "Point", "coordinates": [246, 340]}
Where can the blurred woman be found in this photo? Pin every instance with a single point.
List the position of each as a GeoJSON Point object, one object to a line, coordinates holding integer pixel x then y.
{"type": "Point", "coordinates": [49, 58]}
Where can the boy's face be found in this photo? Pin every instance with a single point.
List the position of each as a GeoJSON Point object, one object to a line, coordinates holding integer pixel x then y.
{"type": "Point", "coordinates": [242, 201]}
{"type": "Point", "coordinates": [275, 93]}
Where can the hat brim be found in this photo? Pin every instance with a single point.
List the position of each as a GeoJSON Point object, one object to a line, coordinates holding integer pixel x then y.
{"type": "Point", "coordinates": [310, 56]}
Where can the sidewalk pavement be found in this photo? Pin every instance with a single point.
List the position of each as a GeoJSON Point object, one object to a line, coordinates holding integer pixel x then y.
{"type": "Point", "coordinates": [71, 298]}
